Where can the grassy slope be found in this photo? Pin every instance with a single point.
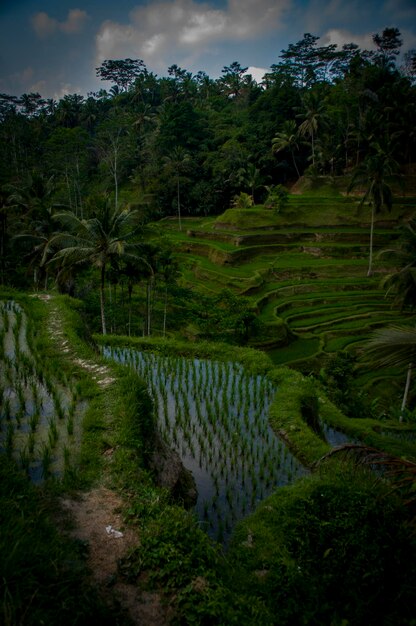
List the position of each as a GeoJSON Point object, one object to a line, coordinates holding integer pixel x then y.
{"type": "Point", "coordinates": [323, 261]}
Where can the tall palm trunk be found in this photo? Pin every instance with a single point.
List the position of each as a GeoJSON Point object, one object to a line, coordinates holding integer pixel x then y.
{"type": "Point", "coordinates": [179, 207]}
{"type": "Point", "coordinates": [370, 258]}
{"type": "Point", "coordinates": [294, 163]}
{"type": "Point", "coordinates": [149, 290]}
{"type": "Point", "coordinates": [102, 299]}
{"type": "Point", "coordinates": [130, 293]}
{"type": "Point", "coordinates": [406, 390]}
{"type": "Point", "coordinates": [165, 311]}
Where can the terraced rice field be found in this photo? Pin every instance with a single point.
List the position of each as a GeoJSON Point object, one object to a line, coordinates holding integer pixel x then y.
{"type": "Point", "coordinates": [40, 414]}
{"type": "Point", "coordinates": [305, 268]}
{"type": "Point", "coordinates": [215, 415]}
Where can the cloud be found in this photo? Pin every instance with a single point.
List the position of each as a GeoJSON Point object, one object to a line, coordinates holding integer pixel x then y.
{"type": "Point", "coordinates": [342, 36]}
{"type": "Point", "coordinates": [74, 22]}
{"type": "Point", "coordinates": [164, 31]}
{"type": "Point", "coordinates": [400, 9]}
{"type": "Point", "coordinates": [257, 73]}
{"type": "Point", "coordinates": [44, 25]}
{"type": "Point", "coordinates": [365, 41]}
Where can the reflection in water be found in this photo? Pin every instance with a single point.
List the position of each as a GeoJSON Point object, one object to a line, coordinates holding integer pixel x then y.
{"type": "Point", "coordinates": [215, 415]}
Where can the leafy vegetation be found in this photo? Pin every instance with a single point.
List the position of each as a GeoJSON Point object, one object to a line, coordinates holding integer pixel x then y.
{"type": "Point", "coordinates": [183, 212]}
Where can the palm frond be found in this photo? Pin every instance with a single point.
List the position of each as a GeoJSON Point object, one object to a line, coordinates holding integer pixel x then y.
{"type": "Point", "coordinates": [391, 346]}
{"type": "Point", "coordinates": [401, 473]}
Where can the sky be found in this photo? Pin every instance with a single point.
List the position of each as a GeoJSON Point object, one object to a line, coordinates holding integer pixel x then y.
{"type": "Point", "coordinates": [54, 47]}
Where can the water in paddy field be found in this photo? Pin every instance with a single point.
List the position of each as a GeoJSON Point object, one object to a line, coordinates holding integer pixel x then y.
{"type": "Point", "coordinates": [215, 415]}
{"type": "Point", "coordinates": [40, 418]}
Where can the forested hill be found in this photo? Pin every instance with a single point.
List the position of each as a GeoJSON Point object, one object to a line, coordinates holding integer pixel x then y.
{"type": "Point", "coordinates": [319, 110]}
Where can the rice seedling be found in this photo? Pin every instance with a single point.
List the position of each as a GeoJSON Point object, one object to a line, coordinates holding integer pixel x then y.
{"type": "Point", "coordinates": [46, 459]}
{"type": "Point", "coordinates": [31, 442]}
{"type": "Point", "coordinates": [217, 416]}
{"type": "Point", "coordinates": [24, 459]}
{"type": "Point", "coordinates": [34, 420]}
{"type": "Point", "coordinates": [6, 410]}
{"type": "Point", "coordinates": [9, 443]}
{"type": "Point", "coordinates": [70, 425]}
{"type": "Point", "coordinates": [52, 433]}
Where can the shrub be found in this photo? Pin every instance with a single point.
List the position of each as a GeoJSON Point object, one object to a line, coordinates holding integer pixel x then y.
{"type": "Point", "coordinates": [332, 549]}
{"type": "Point", "coordinates": [243, 201]}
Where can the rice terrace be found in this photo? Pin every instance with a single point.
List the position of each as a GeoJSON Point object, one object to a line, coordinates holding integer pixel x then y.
{"type": "Point", "coordinates": [207, 346]}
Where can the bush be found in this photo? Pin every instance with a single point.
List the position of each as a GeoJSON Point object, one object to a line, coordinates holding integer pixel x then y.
{"type": "Point", "coordinates": [333, 549]}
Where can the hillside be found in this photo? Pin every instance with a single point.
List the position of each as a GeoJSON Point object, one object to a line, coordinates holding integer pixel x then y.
{"type": "Point", "coordinates": [304, 271]}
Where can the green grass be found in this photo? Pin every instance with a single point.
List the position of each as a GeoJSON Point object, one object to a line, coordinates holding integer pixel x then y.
{"type": "Point", "coordinates": [44, 575]}
{"type": "Point", "coordinates": [298, 349]}
{"type": "Point", "coordinates": [330, 550]}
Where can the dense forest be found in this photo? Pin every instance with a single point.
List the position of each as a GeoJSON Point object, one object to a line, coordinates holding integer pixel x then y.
{"type": "Point", "coordinates": [191, 144]}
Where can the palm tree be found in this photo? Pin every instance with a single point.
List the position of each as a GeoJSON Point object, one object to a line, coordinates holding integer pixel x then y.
{"type": "Point", "coordinates": [287, 139]}
{"type": "Point", "coordinates": [253, 178]}
{"type": "Point", "coordinates": [313, 115]}
{"type": "Point", "coordinates": [97, 240]}
{"type": "Point", "coordinates": [391, 347]}
{"type": "Point", "coordinates": [372, 174]}
{"type": "Point", "coordinates": [402, 281]}
{"type": "Point", "coordinates": [168, 268]}
{"type": "Point", "coordinates": [178, 163]}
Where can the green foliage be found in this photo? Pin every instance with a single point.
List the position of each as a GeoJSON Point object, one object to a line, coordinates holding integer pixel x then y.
{"type": "Point", "coordinates": [44, 577]}
{"type": "Point", "coordinates": [332, 549]}
{"type": "Point", "coordinates": [243, 201]}
{"type": "Point", "coordinates": [277, 198]}
{"type": "Point", "coordinates": [338, 377]}
{"type": "Point", "coordinates": [179, 557]}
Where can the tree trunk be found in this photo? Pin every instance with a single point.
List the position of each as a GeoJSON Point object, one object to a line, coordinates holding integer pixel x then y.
{"type": "Point", "coordinates": [148, 307]}
{"type": "Point", "coordinates": [294, 163]}
{"type": "Point", "coordinates": [406, 390]}
{"type": "Point", "coordinates": [130, 292]}
{"type": "Point", "coordinates": [313, 149]}
{"type": "Point", "coordinates": [179, 208]}
{"type": "Point", "coordinates": [165, 311]}
{"type": "Point", "coordinates": [370, 258]}
{"type": "Point", "coordinates": [102, 300]}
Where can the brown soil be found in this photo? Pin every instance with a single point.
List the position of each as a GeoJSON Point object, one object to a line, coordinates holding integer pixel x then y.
{"type": "Point", "coordinates": [92, 513]}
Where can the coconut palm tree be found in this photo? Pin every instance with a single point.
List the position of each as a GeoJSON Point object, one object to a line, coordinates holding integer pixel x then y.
{"type": "Point", "coordinates": [313, 116]}
{"type": "Point", "coordinates": [391, 347]}
{"type": "Point", "coordinates": [287, 139]}
{"type": "Point", "coordinates": [110, 234]}
{"type": "Point", "coordinates": [402, 281]}
{"type": "Point", "coordinates": [178, 163]}
{"type": "Point", "coordinates": [373, 174]}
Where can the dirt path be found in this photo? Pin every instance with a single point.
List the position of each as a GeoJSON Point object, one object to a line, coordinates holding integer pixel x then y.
{"type": "Point", "coordinates": [97, 518]}
{"type": "Point", "coordinates": [98, 521]}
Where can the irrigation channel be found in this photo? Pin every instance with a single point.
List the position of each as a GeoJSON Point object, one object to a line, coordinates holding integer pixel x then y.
{"type": "Point", "coordinates": [215, 415]}
{"type": "Point", "coordinates": [40, 415]}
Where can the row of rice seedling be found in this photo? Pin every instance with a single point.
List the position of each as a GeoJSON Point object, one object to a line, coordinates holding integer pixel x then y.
{"type": "Point", "coordinates": [39, 414]}
{"type": "Point", "coordinates": [215, 415]}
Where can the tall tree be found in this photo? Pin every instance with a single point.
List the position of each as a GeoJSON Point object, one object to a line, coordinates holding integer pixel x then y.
{"type": "Point", "coordinates": [114, 147]}
{"type": "Point", "coordinates": [402, 281]}
{"type": "Point", "coordinates": [391, 347]}
{"type": "Point", "coordinates": [178, 163]}
{"type": "Point", "coordinates": [374, 174]}
{"type": "Point", "coordinates": [233, 80]}
{"type": "Point", "coordinates": [121, 72]}
{"type": "Point", "coordinates": [313, 116]}
{"type": "Point", "coordinates": [287, 139]}
{"type": "Point", "coordinates": [110, 234]}
{"type": "Point", "coordinates": [388, 46]}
